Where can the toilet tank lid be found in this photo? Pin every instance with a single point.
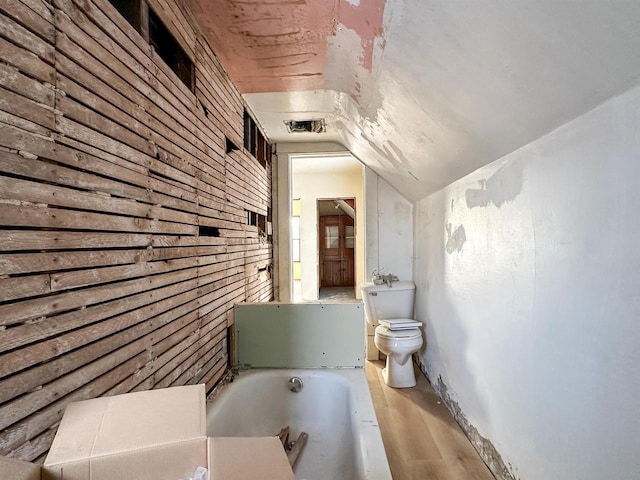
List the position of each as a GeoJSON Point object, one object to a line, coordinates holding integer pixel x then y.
{"type": "Point", "coordinates": [401, 285]}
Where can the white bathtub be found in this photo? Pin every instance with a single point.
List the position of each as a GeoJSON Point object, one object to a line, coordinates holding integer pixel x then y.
{"type": "Point", "coordinates": [334, 408]}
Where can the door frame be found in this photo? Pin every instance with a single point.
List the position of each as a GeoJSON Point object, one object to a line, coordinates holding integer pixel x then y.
{"type": "Point", "coordinates": [283, 191]}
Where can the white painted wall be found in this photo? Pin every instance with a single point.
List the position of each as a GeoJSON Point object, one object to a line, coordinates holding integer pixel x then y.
{"type": "Point", "coordinates": [314, 186]}
{"type": "Point", "coordinates": [528, 275]}
{"type": "Point", "coordinates": [389, 225]}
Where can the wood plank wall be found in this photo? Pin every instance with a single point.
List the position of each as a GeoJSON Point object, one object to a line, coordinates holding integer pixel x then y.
{"type": "Point", "coordinates": [109, 168]}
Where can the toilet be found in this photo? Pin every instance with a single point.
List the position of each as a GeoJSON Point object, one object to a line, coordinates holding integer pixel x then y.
{"type": "Point", "coordinates": [397, 335]}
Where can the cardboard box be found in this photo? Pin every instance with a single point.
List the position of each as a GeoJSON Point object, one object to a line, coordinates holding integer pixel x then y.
{"type": "Point", "coordinates": [149, 435]}
{"type": "Point", "coordinates": [248, 458]}
{"type": "Point", "coordinates": [11, 469]}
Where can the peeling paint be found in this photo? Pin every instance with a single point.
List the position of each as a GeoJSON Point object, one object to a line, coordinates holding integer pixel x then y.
{"type": "Point", "coordinates": [483, 446]}
{"type": "Point", "coordinates": [455, 98]}
{"type": "Point", "coordinates": [270, 46]}
{"type": "Point", "coordinates": [343, 75]}
{"type": "Point", "coordinates": [388, 152]}
{"type": "Point", "coordinates": [501, 187]}
{"type": "Point", "coordinates": [255, 39]}
{"type": "Point", "coordinates": [366, 20]}
{"type": "Point", "coordinates": [398, 152]}
{"type": "Point", "coordinates": [455, 240]}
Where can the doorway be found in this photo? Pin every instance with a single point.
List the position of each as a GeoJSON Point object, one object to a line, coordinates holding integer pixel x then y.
{"type": "Point", "coordinates": [327, 189]}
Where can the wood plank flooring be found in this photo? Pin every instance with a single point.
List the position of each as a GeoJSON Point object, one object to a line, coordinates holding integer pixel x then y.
{"type": "Point", "coordinates": [422, 439]}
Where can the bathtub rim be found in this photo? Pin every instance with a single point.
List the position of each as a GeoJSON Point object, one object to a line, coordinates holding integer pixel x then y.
{"type": "Point", "coordinates": [368, 435]}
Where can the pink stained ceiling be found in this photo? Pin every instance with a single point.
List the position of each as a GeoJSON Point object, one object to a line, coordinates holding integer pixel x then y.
{"type": "Point", "coordinates": [281, 45]}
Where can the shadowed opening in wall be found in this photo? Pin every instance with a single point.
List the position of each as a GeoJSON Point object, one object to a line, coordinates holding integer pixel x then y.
{"type": "Point", "coordinates": [205, 231]}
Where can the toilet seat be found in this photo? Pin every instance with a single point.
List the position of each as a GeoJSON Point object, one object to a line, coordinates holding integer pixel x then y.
{"type": "Point", "coordinates": [406, 334]}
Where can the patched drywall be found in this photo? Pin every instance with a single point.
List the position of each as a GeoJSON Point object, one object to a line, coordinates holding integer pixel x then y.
{"type": "Point", "coordinates": [366, 19]}
{"type": "Point", "coordinates": [501, 187]}
{"type": "Point", "coordinates": [354, 80]}
{"type": "Point", "coordinates": [532, 323]}
{"type": "Point", "coordinates": [455, 239]}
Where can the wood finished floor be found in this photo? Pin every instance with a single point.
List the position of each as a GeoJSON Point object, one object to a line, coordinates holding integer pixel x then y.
{"type": "Point", "coordinates": [422, 439]}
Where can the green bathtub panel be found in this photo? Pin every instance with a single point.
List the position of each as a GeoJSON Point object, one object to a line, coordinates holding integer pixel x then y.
{"type": "Point", "coordinates": [308, 335]}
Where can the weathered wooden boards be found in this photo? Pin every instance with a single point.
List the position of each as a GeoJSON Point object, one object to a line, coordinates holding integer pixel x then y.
{"type": "Point", "coordinates": [124, 240]}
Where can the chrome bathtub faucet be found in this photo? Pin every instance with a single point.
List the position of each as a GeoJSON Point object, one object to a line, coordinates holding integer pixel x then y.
{"type": "Point", "coordinates": [295, 384]}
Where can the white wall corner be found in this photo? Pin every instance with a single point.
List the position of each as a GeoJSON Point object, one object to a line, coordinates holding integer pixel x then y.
{"type": "Point", "coordinates": [281, 213]}
{"type": "Point", "coordinates": [371, 222]}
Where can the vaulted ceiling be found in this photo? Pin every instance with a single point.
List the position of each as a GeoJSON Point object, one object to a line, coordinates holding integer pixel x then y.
{"type": "Point", "coordinates": [425, 91]}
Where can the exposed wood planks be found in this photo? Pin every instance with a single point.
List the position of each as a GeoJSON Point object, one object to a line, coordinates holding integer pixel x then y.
{"type": "Point", "coordinates": [110, 169]}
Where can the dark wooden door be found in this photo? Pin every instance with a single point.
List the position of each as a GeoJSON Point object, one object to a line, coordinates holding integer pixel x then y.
{"type": "Point", "coordinates": [337, 242]}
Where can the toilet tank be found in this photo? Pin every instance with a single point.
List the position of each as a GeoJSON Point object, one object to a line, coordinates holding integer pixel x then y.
{"type": "Point", "coordinates": [382, 302]}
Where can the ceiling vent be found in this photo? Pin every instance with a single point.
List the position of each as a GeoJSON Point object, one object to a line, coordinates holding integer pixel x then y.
{"type": "Point", "coordinates": [317, 125]}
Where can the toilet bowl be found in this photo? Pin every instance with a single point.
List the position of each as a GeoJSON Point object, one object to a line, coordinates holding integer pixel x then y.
{"type": "Point", "coordinates": [396, 335]}
{"type": "Point", "coordinates": [398, 346]}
